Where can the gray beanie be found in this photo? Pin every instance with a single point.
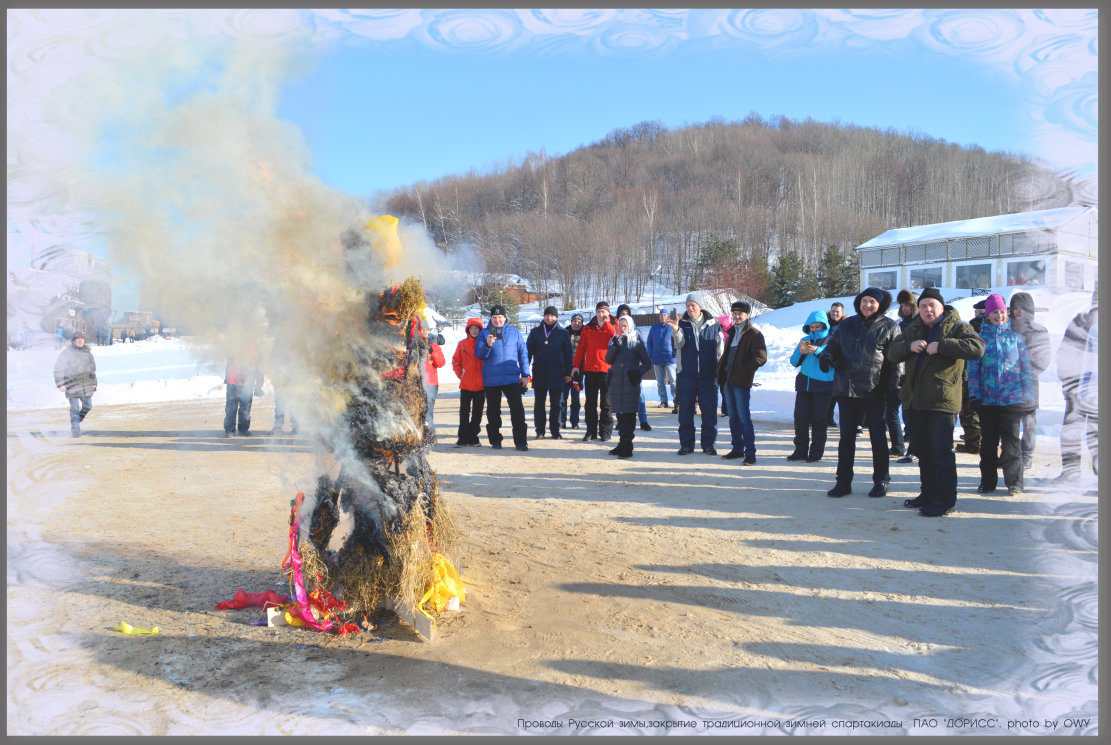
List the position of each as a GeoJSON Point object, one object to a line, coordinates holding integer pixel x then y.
{"type": "Point", "coordinates": [696, 297]}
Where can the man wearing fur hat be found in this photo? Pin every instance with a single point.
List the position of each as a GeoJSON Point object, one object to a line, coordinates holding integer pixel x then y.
{"type": "Point", "coordinates": [549, 350]}
{"type": "Point", "coordinates": [934, 349]}
{"type": "Point", "coordinates": [699, 342]}
{"type": "Point", "coordinates": [1036, 338]}
{"type": "Point", "coordinates": [75, 376]}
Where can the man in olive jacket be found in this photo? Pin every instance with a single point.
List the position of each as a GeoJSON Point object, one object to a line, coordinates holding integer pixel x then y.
{"type": "Point", "coordinates": [75, 376]}
{"type": "Point", "coordinates": [934, 348]}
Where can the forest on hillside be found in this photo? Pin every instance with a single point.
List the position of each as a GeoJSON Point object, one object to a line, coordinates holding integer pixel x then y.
{"type": "Point", "coordinates": [769, 208]}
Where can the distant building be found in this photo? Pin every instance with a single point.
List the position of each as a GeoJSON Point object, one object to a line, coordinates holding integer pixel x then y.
{"type": "Point", "coordinates": [1052, 248]}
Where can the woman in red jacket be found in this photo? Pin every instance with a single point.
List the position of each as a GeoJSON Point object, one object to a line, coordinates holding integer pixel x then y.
{"type": "Point", "coordinates": [468, 369]}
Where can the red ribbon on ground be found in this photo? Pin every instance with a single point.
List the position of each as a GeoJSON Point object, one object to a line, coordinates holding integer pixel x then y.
{"type": "Point", "coordinates": [244, 599]}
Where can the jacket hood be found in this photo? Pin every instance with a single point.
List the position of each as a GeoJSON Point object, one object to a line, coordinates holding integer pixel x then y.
{"type": "Point", "coordinates": [473, 322]}
{"type": "Point", "coordinates": [817, 316]}
{"type": "Point", "coordinates": [725, 321]}
{"type": "Point", "coordinates": [1025, 301]}
{"type": "Point", "coordinates": [885, 304]}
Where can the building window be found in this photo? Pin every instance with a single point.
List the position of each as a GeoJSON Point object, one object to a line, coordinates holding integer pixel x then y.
{"type": "Point", "coordinates": [883, 280]}
{"type": "Point", "coordinates": [927, 276]}
{"type": "Point", "coordinates": [972, 276]}
{"type": "Point", "coordinates": [1026, 272]}
{"type": "Point", "coordinates": [1074, 275]}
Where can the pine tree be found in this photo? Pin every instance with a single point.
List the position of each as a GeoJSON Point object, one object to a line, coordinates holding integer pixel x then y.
{"type": "Point", "coordinates": [838, 274]}
{"type": "Point", "coordinates": [786, 284]}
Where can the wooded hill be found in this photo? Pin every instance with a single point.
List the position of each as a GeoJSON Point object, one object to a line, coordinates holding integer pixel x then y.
{"type": "Point", "coordinates": [721, 204]}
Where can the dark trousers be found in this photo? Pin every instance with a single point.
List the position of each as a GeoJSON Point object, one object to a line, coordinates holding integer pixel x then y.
{"type": "Point", "coordinates": [894, 422]}
{"type": "Point", "coordinates": [704, 391]}
{"type": "Point", "coordinates": [79, 407]}
{"type": "Point", "coordinates": [810, 423]}
{"type": "Point", "coordinates": [830, 421]}
{"type": "Point", "coordinates": [970, 419]}
{"type": "Point", "coordinates": [1000, 424]}
{"type": "Point", "coordinates": [626, 431]}
{"type": "Point", "coordinates": [853, 410]}
{"type": "Point", "coordinates": [570, 393]}
{"type": "Point", "coordinates": [470, 415]}
{"type": "Point", "coordinates": [512, 393]}
{"type": "Point", "coordinates": [237, 408]}
{"type": "Point", "coordinates": [552, 395]}
{"type": "Point", "coordinates": [931, 439]}
{"type": "Point", "coordinates": [599, 423]}
{"type": "Point", "coordinates": [1029, 422]}
{"type": "Point", "coordinates": [1075, 428]}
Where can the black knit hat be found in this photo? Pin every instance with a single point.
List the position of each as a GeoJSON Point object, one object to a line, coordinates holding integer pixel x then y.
{"type": "Point", "coordinates": [741, 305]}
{"type": "Point", "coordinates": [551, 310]}
{"type": "Point", "coordinates": [601, 304]}
{"type": "Point", "coordinates": [577, 317]}
{"type": "Point", "coordinates": [873, 292]}
{"type": "Point", "coordinates": [931, 293]}
{"type": "Point", "coordinates": [497, 310]}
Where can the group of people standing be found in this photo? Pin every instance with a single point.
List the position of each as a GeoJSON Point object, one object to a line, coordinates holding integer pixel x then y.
{"type": "Point", "coordinates": [693, 358]}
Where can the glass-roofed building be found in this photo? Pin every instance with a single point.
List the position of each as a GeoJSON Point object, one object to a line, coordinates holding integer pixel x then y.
{"type": "Point", "coordinates": [1053, 248]}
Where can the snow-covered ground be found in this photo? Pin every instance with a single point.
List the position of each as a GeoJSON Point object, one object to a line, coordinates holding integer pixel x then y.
{"type": "Point", "coordinates": [170, 370]}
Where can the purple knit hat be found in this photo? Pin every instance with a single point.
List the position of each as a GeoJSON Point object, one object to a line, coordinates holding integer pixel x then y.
{"type": "Point", "coordinates": [994, 302]}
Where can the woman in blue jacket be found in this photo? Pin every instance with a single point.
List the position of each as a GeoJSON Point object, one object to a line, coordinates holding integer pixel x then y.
{"type": "Point", "coordinates": [813, 390]}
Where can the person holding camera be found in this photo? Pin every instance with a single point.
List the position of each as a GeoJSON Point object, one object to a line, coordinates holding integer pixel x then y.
{"type": "Point", "coordinates": [505, 371]}
{"type": "Point", "coordinates": [813, 390]}
{"type": "Point", "coordinates": [549, 351]}
{"type": "Point", "coordinates": [572, 387]}
{"type": "Point", "coordinates": [629, 362]}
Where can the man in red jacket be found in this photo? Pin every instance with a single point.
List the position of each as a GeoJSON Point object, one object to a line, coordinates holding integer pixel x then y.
{"type": "Point", "coordinates": [472, 394]}
{"type": "Point", "coordinates": [590, 358]}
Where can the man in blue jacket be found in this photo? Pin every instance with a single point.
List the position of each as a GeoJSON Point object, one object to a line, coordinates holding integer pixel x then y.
{"type": "Point", "coordinates": [700, 342]}
{"type": "Point", "coordinates": [549, 351]}
{"type": "Point", "coordinates": [662, 354]}
{"type": "Point", "coordinates": [505, 370]}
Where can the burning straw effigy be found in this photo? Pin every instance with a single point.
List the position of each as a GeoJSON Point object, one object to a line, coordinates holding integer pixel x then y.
{"type": "Point", "coordinates": [377, 534]}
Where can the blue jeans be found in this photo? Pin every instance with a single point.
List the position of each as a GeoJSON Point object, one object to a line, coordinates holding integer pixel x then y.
{"type": "Point", "coordinates": [570, 391]}
{"type": "Point", "coordinates": [665, 376]}
{"type": "Point", "coordinates": [643, 412]}
{"type": "Point", "coordinates": [79, 406]}
{"type": "Point", "coordinates": [740, 420]}
{"type": "Point", "coordinates": [705, 392]}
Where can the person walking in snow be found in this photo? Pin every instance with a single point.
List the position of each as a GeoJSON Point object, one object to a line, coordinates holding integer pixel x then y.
{"type": "Point", "coordinates": [75, 377]}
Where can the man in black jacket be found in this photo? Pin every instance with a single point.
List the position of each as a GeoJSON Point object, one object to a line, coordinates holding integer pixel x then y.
{"type": "Point", "coordinates": [549, 351]}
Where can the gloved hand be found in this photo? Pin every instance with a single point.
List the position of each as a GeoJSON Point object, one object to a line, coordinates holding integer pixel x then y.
{"type": "Point", "coordinates": [634, 377]}
{"type": "Point", "coordinates": [823, 363]}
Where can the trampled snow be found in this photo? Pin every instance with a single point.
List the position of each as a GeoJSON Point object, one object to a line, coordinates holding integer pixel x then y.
{"type": "Point", "coordinates": [180, 369]}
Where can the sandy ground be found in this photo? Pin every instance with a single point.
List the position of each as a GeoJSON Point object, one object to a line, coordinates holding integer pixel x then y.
{"type": "Point", "coordinates": [655, 595]}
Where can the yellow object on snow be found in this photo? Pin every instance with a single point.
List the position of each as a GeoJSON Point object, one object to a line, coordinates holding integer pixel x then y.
{"type": "Point", "coordinates": [445, 586]}
{"type": "Point", "coordinates": [126, 628]}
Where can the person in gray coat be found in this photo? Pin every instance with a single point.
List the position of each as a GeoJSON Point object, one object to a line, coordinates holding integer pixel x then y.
{"type": "Point", "coordinates": [1036, 338]}
{"type": "Point", "coordinates": [75, 376]}
{"type": "Point", "coordinates": [629, 362]}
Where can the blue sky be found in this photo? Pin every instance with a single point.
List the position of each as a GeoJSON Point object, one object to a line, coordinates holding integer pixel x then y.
{"type": "Point", "coordinates": [465, 111]}
{"type": "Point", "coordinates": [378, 99]}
